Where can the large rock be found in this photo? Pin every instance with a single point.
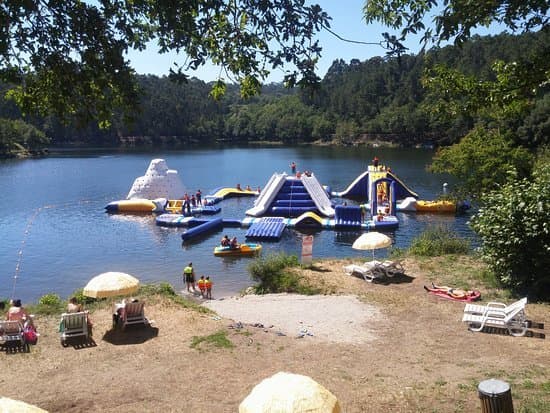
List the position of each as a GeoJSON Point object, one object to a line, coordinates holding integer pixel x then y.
{"type": "Point", "coordinates": [289, 393]}
{"type": "Point", "coordinates": [158, 182]}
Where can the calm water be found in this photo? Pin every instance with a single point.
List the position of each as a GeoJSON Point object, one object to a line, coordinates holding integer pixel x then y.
{"type": "Point", "coordinates": [55, 230]}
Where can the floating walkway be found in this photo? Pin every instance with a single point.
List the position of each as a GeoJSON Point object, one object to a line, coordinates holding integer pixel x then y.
{"type": "Point", "coordinates": [267, 228]}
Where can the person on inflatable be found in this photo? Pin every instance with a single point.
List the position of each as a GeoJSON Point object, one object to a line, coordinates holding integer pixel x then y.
{"type": "Point", "coordinates": [225, 242]}
{"type": "Point", "coordinates": [234, 243]}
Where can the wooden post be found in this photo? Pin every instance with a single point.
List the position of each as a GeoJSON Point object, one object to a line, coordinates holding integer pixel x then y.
{"type": "Point", "coordinates": [495, 396]}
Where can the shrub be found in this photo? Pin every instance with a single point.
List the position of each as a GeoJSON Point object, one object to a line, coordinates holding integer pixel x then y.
{"type": "Point", "coordinates": [273, 276]}
{"type": "Point", "coordinates": [514, 225]}
{"type": "Point", "coordinates": [48, 304]}
{"type": "Point", "coordinates": [438, 240]}
{"type": "Point", "coordinates": [81, 298]}
{"type": "Point", "coordinates": [50, 300]}
{"type": "Point", "coordinates": [162, 288]}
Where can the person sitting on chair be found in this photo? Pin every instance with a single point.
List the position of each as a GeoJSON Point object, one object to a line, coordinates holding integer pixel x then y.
{"type": "Point", "coordinates": [18, 313]}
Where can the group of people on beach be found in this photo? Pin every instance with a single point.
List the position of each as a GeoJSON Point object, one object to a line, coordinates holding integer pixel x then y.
{"type": "Point", "coordinates": [16, 312]}
{"type": "Point", "coordinates": [204, 283]}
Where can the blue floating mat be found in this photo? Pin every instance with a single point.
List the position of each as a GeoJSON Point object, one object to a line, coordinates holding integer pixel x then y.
{"type": "Point", "coordinates": [268, 228]}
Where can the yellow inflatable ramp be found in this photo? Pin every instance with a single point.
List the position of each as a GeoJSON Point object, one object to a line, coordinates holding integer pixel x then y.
{"type": "Point", "coordinates": [307, 216]}
{"type": "Point", "coordinates": [229, 192]}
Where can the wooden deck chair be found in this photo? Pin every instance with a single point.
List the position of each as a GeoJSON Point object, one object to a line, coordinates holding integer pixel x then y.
{"type": "Point", "coordinates": [133, 313]}
{"type": "Point", "coordinates": [12, 332]}
{"type": "Point", "coordinates": [514, 321]}
{"type": "Point", "coordinates": [496, 309]}
{"type": "Point", "coordinates": [73, 325]}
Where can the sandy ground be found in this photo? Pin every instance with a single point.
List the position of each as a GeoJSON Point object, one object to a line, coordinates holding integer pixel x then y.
{"type": "Point", "coordinates": [378, 348]}
{"type": "Point", "coordinates": [338, 318]}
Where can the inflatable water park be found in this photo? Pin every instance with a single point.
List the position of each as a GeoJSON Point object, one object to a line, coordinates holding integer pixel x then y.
{"type": "Point", "coordinates": [286, 201]}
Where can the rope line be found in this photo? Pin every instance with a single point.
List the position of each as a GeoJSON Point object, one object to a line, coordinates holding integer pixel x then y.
{"type": "Point", "coordinates": [20, 253]}
{"type": "Point", "coordinates": [30, 222]}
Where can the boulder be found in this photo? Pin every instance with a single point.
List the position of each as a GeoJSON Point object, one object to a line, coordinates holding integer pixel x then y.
{"type": "Point", "coordinates": [289, 393]}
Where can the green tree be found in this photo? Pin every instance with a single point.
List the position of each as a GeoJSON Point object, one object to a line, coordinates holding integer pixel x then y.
{"type": "Point", "coordinates": [514, 225]}
{"type": "Point", "coordinates": [69, 57]}
{"type": "Point", "coordinates": [456, 19]}
{"type": "Point", "coordinates": [482, 161]}
{"type": "Point", "coordinates": [18, 137]}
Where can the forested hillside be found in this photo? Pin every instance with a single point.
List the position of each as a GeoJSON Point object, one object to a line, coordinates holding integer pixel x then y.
{"type": "Point", "coordinates": [379, 98]}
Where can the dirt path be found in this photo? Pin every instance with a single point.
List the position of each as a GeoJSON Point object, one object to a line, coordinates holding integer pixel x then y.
{"type": "Point", "coordinates": [394, 348]}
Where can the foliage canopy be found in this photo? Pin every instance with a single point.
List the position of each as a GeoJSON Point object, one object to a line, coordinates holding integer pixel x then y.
{"type": "Point", "coordinates": [68, 57]}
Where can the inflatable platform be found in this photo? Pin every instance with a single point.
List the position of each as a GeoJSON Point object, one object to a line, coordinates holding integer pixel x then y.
{"type": "Point", "coordinates": [291, 196]}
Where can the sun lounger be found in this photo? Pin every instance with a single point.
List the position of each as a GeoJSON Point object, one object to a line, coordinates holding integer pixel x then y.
{"type": "Point", "coordinates": [514, 321]}
{"type": "Point", "coordinates": [372, 270]}
{"type": "Point", "coordinates": [496, 309]}
{"type": "Point", "coordinates": [12, 332]}
{"type": "Point", "coordinates": [73, 325]}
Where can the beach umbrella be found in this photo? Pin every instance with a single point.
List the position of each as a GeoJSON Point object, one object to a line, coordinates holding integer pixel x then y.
{"type": "Point", "coordinates": [111, 284]}
{"type": "Point", "coordinates": [289, 393]}
{"type": "Point", "coordinates": [17, 406]}
{"type": "Point", "coordinates": [371, 241]}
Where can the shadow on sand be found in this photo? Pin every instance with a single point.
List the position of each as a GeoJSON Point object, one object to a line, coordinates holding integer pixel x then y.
{"type": "Point", "coordinates": [132, 334]}
{"type": "Point", "coordinates": [79, 343]}
{"type": "Point", "coordinates": [396, 279]}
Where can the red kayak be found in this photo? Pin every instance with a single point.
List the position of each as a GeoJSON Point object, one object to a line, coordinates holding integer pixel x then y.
{"type": "Point", "coordinates": [455, 294]}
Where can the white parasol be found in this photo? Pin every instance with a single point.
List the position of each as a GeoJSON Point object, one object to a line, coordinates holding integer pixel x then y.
{"type": "Point", "coordinates": [371, 241]}
{"type": "Point", "coordinates": [111, 284]}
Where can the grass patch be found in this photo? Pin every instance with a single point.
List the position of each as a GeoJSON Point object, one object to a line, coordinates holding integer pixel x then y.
{"type": "Point", "coordinates": [438, 240]}
{"type": "Point", "coordinates": [52, 304]}
{"type": "Point", "coordinates": [218, 340]}
{"type": "Point", "coordinates": [274, 274]}
{"type": "Point", "coordinates": [534, 404]}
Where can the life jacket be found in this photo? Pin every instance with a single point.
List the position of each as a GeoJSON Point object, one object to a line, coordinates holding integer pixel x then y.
{"type": "Point", "coordinates": [201, 284]}
{"type": "Point", "coordinates": [208, 284]}
{"type": "Point", "coordinates": [188, 270]}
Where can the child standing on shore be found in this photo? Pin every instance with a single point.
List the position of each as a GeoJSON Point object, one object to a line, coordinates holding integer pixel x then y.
{"type": "Point", "coordinates": [202, 286]}
{"type": "Point", "coordinates": [208, 286]}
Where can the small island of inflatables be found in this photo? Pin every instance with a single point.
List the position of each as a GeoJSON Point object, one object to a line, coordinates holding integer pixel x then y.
{"type": "Point", "coordinates": [295, 200]}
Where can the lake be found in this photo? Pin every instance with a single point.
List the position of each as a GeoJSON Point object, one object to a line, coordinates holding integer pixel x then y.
{"type": "Point", "coordinates": [56, 234]}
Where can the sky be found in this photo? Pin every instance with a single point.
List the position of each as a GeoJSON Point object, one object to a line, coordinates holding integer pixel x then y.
{"type": "Point", "coordinates": [347, 22]}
